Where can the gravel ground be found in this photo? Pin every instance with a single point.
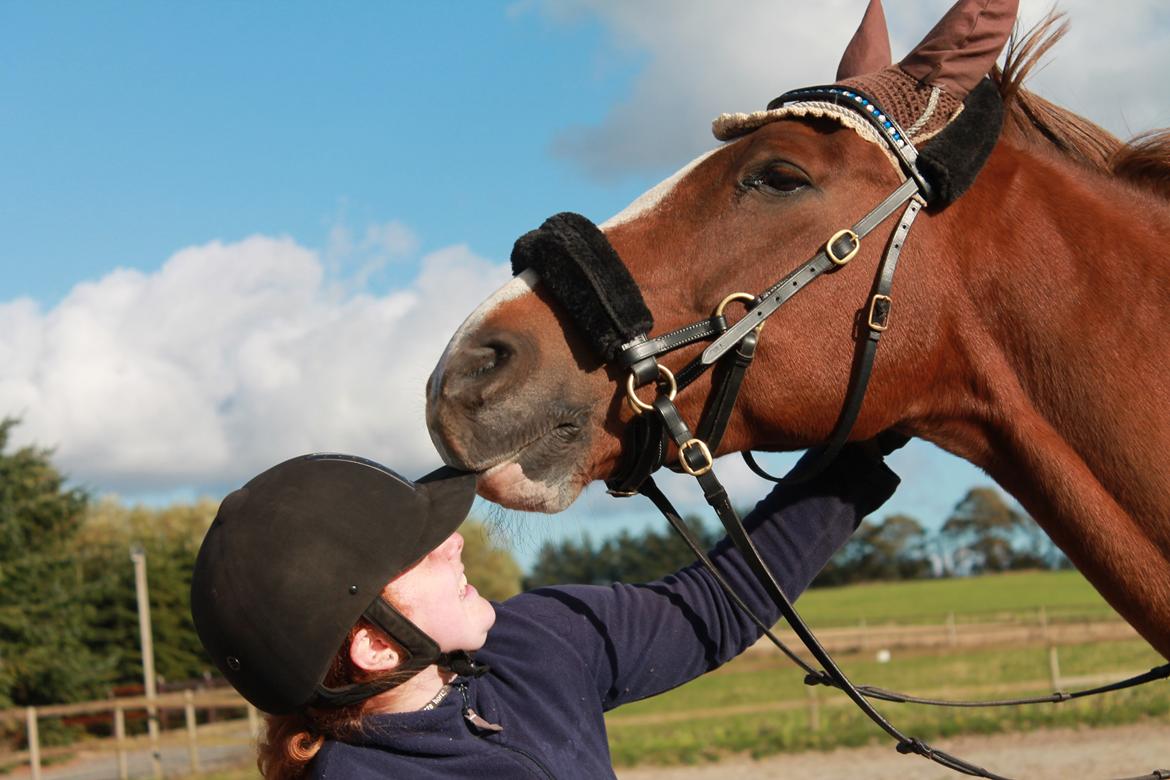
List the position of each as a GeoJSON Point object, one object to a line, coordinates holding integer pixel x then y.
{"type": "Point", "coordinates": [1068, 754]}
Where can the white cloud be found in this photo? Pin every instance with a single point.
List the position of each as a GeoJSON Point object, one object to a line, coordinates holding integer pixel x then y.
{"type": "Point", "coordinates": [357, 260]}
{"type": "Point", "coordinates": [230, 357]}
{"type": "Point", "coordinates": [705, 58]}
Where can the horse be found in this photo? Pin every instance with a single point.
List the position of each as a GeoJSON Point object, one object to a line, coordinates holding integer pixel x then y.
{"type": "Point", "coordinates": [1025, 334]}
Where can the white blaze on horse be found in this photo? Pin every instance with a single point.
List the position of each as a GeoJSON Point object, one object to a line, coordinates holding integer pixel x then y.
{"type": "Point", "coordinates": [1026, 331]}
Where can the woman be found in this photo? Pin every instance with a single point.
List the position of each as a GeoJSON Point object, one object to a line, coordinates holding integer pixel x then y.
{"type": "Point", "coordinates": [330, 593]}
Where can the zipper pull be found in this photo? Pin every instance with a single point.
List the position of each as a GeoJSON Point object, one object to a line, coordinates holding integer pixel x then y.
{"type": "Point", "coordinates": [473, 717]}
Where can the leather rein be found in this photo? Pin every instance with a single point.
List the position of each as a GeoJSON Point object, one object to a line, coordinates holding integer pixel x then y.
{"type": "Point", "coordinates": [731, 352]}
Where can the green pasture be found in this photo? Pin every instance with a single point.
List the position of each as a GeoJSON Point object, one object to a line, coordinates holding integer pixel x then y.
{"type": "Point", "coordinates": [1062, 594]}
{"type": "Point", "coordinates": [759, 705]}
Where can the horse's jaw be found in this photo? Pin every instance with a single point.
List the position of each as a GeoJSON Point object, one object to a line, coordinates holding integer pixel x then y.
{"type": "Point", "coordinates": [507, 485]}
{"type": "Point", "coordinates": [538, 465]}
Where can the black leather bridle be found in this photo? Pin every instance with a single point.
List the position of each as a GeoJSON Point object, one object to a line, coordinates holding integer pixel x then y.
{"type": "Point", "coordinates": [586, 275]}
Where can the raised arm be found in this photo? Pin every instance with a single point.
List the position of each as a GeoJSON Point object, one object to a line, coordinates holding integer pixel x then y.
{"type": "Point", "coordinates": [639, 640]}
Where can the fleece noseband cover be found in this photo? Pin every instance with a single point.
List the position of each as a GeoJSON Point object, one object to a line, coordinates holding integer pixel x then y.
{"type": "Point", "coordinates": [577, 264]}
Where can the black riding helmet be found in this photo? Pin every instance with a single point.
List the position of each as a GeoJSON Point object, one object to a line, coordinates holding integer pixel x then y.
{"type": "Point", "coordinates": [302, 551]}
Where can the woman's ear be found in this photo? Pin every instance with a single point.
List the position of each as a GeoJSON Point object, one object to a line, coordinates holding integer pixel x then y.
{"type": "Point", "coordinates": [372, 652]}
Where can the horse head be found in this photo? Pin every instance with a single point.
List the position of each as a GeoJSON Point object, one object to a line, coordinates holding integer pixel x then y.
{"type": "Point", "coordinates": [525, 392]}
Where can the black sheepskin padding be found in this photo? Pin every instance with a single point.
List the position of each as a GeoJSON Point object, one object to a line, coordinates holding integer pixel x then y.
{"type": "Point", "coordinates": [580, 268]}
{"type": "Point", "coordinates": [952, 159]}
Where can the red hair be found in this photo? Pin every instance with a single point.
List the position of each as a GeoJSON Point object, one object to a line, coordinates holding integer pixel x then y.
{"type": "Point", "coordinates": [290, 742]}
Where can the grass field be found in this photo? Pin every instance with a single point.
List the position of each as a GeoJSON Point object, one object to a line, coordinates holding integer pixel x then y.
{"type": "Point", "coordinates": [1063, 594]}
{"type": "Point", "coordinates": [758, 704]}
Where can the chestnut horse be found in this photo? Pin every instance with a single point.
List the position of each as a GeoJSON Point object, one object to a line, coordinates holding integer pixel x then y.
{"type": "Point", "coordinates": [1028, 330]}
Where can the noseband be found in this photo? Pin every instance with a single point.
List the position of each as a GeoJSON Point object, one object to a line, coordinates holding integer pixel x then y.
{"type": "Point", "coordinates": [587, 277]}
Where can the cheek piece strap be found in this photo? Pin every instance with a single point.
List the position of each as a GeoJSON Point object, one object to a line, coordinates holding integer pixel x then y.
{"type": "Point", "coordinates": [583, 272]}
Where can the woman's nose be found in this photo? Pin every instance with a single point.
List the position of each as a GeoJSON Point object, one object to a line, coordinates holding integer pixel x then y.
{"type": "Point", "coordinates": [452, 546]}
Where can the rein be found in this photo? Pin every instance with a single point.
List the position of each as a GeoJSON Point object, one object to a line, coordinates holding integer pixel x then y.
{"type": "Point", "coordinates": [589, 278]}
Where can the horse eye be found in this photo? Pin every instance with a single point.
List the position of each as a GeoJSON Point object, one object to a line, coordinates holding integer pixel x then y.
{"type": "Point", "coordinates": [777, 180]}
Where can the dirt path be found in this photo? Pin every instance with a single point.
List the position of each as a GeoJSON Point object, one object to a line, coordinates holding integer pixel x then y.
{"type": "Point", "coordinates": [1068, 754]}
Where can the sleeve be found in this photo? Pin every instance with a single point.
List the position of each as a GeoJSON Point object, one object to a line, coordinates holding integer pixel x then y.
{"type": "Point", "coordinates": [636, 641]}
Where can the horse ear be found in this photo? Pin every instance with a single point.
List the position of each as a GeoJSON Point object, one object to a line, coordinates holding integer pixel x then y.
{"type": "Point", "coordinates": [963, 46]}
{"type": "Point", "coordinates": [869, 49]}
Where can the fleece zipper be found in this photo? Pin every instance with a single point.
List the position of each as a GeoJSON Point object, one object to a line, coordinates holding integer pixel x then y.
{"type": "Point", "coordinates": [484, 729]}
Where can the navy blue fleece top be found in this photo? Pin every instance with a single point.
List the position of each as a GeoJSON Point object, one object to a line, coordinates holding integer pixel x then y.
{"type": "Point", "coordinates": [561, 657]}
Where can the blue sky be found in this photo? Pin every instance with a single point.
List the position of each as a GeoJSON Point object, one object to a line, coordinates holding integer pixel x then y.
{"type": "Point", "coordinates": [135, 129]}
{"type": "Point", "coordinates": [235, 232]}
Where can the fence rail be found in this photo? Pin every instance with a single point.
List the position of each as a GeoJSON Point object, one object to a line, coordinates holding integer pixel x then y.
{"type": "Point", "coordinates": [814, 701]}
{"type": "Point", "coordinates": [950, 633]}
{"type": "Point", "coordinates": [953, 633]}
{"type": "Point", "coordinates": [189, 702]}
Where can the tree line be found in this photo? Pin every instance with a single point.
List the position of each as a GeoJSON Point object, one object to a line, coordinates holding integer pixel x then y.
{"type": "Point", "coordinates": [984, 533]}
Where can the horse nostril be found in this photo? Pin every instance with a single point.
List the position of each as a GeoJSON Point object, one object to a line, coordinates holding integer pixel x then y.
{"type": "Point", "coordinates": [494, 354]}
{"type": "Point", "coordinates": [479, 361]}
{"type": "Point", "coordinates": [483, 367]}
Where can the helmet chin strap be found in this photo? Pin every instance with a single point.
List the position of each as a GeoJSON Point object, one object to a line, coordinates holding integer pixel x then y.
{"type": "Point", "coordinates": [419, 652]}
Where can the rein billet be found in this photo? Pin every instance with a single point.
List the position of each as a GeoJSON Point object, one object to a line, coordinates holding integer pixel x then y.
{"type": "Point", "coordinates": [587, 262]}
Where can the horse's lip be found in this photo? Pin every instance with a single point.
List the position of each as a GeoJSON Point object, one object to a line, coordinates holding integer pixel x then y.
{"type": "Point", "coordinates": [514, 454]}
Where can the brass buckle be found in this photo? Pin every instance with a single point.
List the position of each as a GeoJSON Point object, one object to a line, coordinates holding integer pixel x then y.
{"type": "Point", "coordinates": [852, 252]}
{"type": "Point", "coordinates": [879, 327]}
{"type": "Point", "coordinates": [637, 404]}
{"type": "Point", "coordinates": [703, 450]}
{"type": "Point", "coordinates": [738, 296]}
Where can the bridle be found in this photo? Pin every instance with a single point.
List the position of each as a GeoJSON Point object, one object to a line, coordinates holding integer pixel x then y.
{"type": "Point", "coordinates": [590, 280]}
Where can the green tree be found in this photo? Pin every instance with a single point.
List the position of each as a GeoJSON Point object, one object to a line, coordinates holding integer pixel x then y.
{"type": "Point", "coordinates": [893, 549]}
{"type": "Point", "coordinates": [169, 537]}
{"type": "Point", "coordinates": [44, 619]}
{"type": "Point", "coordinates": [984, 533]}
{"type": "Point", "coordinates": [625, 558]}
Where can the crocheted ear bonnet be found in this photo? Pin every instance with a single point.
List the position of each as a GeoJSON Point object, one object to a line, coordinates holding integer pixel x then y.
{"type": "Point", "coordinates": [916, 98]}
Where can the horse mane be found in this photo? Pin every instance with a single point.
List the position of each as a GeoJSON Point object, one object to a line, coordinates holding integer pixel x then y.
{"type": "Point", "coordinates": [1143, 161]}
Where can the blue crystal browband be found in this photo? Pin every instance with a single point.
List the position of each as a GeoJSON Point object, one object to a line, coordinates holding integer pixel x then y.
{"type": "Point", "coordinates": [866, 107]}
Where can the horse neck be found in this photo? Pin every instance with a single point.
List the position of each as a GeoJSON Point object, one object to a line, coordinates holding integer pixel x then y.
{"type": "Point", "coordinates": [1050, 295]}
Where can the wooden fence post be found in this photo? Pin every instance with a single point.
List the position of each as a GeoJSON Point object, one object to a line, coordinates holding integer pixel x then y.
{"type": "Point", "coordinates": [34, 742]}
{"type": "Point", "coordinates": [192, 731]}
{"type": "Point", "coordinates": [1054, 667]}
{"type": "Point", "coordinates": [814, 709]}
{"type": "Point", "coordinates": [253, 722]}
{"type": "Point", "coordinates": [120, 741]}
{"type": "Point", "coordinates": [952, 630]}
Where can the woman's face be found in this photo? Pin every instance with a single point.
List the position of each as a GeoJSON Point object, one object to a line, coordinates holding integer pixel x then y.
{"type": "Point", "coordinates": [436, 596]}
